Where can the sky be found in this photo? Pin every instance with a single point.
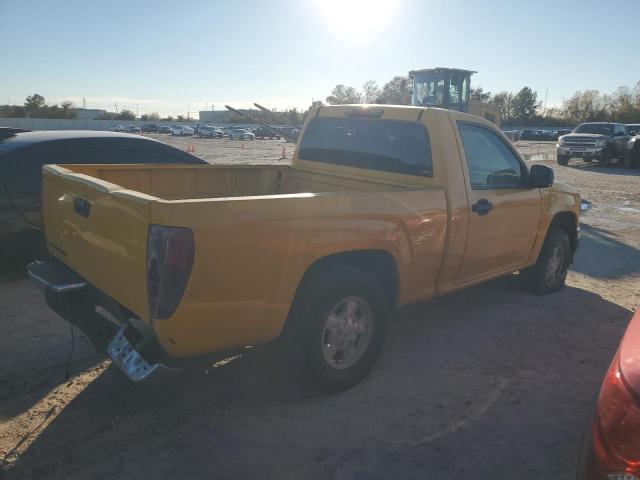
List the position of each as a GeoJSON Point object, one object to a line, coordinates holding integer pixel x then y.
{"type": "Point", "coordinates": [174, 57]}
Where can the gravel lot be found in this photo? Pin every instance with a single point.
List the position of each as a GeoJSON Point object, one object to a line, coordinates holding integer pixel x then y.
{"type": "Point", "coordinates": [487, 383]}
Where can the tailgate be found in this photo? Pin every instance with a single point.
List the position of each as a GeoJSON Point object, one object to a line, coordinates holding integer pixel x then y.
{"type": "Point", "coordinates": [99, 229]}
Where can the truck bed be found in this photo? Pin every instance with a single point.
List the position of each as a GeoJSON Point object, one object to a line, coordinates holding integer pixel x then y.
{"type": "Point", "coordinates": [256, 229]}
{"type": "Point", "coordinates": [185, 182]}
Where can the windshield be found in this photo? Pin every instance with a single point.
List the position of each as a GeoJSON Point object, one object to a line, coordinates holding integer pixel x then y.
{"type": "Point", "coordinates": [596, 128]}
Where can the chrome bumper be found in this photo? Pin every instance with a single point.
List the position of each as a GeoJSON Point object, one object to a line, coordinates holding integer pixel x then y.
{"type": "Point", "coordinates": [568, 150]}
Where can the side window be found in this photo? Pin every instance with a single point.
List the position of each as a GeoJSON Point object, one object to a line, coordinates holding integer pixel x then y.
{"type": "Point", "coordinates": [491, 162]}
{"type": "Point", "coordinates": [137, 153]}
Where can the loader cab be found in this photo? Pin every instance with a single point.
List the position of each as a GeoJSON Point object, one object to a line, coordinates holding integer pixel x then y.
{"type": "Point", "coordinates": [442, 87]}
{"type": "Point", "coordinates": [449, 88]}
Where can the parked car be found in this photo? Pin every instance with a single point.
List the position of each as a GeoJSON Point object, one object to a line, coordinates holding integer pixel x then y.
{"type": "Point", "coordinates": [540, 135]}
{"type": "Point", "coordinates": [181, 130]}
{"type": "Point", "coordinates": [210, 132]}
{"type": "Point", "coordinates": [312, 255]}
{"type": "Point", "coordinates": [133, 129]}
{"type": "Point", "coordinates": [560, 132]}
{"type": "Point", "coordinates": [263, 132]}
{"type": "Point", "coordinates": [151, 128]}
{"type": "Point", "coordinates": [633, 129]}
{"type": "Point", "coordinates": [599, 141]}
{"type": "Point", "coordinates": [118, 128]}
{"type": "Point", "coordinates": [632, 155]}
{"type": "Point", "coordinates": [164, 129]}
{"type": "Point", "coordinates": [241, 134]}
{"type": "Point", "coordinates": [22, 156]}
{"type": "Point", "coordinates": [528, 134]}
{"type": "Point", "coordinates": [611, 446]}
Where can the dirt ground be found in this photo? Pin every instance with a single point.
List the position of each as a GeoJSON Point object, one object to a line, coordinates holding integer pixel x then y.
{"type": "Point", "coordinates": [487, 383]}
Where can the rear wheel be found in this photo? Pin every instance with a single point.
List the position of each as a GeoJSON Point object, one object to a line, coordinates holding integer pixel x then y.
{"type": "Point", "coordinates": [563, 159]}
{"type": "Point", "coordinates": [549, 273]}
{"type": "Point", "coordinates": [340, 319]}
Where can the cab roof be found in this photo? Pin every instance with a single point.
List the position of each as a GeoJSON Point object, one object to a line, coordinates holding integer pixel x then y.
{"type": "Point", "coordinates": [24, 139]}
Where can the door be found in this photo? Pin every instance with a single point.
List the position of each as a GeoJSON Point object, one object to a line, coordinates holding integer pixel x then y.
{"type": "Point", "coordinates": [504, 213]}
{"type": "Point", "coordinates": [619, 141]}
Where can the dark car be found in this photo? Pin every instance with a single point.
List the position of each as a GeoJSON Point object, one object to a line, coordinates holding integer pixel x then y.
{"type": "Point", "coordinates": [22, 156]}
{"type": "Point", "coordinates": [611, 447]}
{"type": "Point", "coordinates": [601, 141]}
{"type": "Point", "coordinates": [562, 131]}
{"type": "Point", "coordinates": [164, 129]}
{"type": "Point", "coordinates": [151, 128]}
{"type": "Point", "coordinates": [633, 128]}
{"type": "Point", "coordinates": [263, 132]}
{"type": "Point", "coordinates": [530, 134]}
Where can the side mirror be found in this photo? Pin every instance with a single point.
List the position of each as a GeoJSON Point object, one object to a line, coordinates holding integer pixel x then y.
{"type": "Point", "coordinates": [540, 176]}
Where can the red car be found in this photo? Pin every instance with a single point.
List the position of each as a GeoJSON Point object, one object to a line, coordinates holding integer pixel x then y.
{"type": "Point", "coordinates": [612, 445]}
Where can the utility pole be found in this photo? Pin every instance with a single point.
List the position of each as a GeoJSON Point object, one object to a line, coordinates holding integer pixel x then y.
{"type": "Point", "coordinates": [116, 104]}
{"type": "Point", "coordinates": [189, 112]}
{"type": "Point", "coordinates": [136, 109]}
{"type": "Point", "coordinates": [84, 102]}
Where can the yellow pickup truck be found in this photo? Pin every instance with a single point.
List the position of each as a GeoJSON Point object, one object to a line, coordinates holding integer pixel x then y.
{"type": "Point", "coordinates": [381, 206]}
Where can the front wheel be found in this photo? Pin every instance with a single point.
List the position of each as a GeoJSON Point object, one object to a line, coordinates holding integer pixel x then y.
{"type": "Point", "coordinates": [563, 160]}
{"type": "Point", "coordinates": [630, 161]}
{"type": "Point", "coordinates": [605, 158]}
{"type": "Point", "coordinates": [549, 273]}
{"type": "Point", "coordinates": [340, 323]}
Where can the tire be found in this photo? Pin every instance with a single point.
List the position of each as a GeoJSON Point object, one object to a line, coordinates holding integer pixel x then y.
{"type": "Point", "coordinates": [549, 273]}
{"type": "Point", "coordinates": [605, 158]}
{"type": "Point", "coordinates": [328, 347]}
{"type": "Point", "coordinates": [587, 159]}
{"type": "Point", "coordinates": [629, 161]}
{"type": "Point", "coordinates": [563, 160]}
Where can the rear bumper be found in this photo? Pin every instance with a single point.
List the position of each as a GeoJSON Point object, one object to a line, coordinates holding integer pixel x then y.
{"type": "Point", "coordinates": [134, 351]}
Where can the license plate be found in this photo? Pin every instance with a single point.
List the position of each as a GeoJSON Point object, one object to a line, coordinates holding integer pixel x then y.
{"type": "Point", "coordinates": [127, 359]}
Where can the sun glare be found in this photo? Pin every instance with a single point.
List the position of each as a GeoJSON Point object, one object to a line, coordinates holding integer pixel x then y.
{"type": "Point", "coordinates": [357, 21]}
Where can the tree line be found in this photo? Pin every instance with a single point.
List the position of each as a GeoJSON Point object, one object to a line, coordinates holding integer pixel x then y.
{"type": "Point", "coordinates": [36, 107]}
{"type": "Point", "coordinates": [521, 108]}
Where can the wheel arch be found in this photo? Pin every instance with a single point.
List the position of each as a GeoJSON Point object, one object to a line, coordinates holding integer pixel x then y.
{"type": "Point", "coordinates": [568, 222]}
{"type": "Point", "coordinates": [381, 264]}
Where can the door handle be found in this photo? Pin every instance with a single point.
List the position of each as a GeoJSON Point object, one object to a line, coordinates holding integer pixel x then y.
{"type": "Point", "coordinates": [482, 206]}
{"type": "Point", "coordinates": [81, 207]}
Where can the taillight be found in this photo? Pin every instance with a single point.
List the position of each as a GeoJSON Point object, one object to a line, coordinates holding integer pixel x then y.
{"type": "Point", "coordinates": [616, 436]}
{"type": "Point", "coordinates": [169, 263]}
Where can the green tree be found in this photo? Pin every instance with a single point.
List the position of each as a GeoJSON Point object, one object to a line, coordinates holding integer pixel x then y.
{"type": "Point", "coordinates": [342, 95]}
{"type": "Point", "coordinates": [396, 91]}
{"type": "Point", "coordinates": [481, 94]}
{"type": "Point", "coordinates": [144, 117]}
{"type": "Point", "coordinates": [127, 115]}
{"type": "Point", "coordinates": [525, 105]}
{"type": "Point", "coordinates": [34, 102]}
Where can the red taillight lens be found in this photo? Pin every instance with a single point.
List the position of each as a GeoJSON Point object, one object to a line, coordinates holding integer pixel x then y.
{"type": "Point", "coordinates": [169, 262]}
{"type": "Point", "coordinates": [616, 436]}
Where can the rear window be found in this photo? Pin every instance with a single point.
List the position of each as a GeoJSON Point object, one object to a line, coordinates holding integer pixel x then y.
{"type": "Point", "coordinates": [374, 144]}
